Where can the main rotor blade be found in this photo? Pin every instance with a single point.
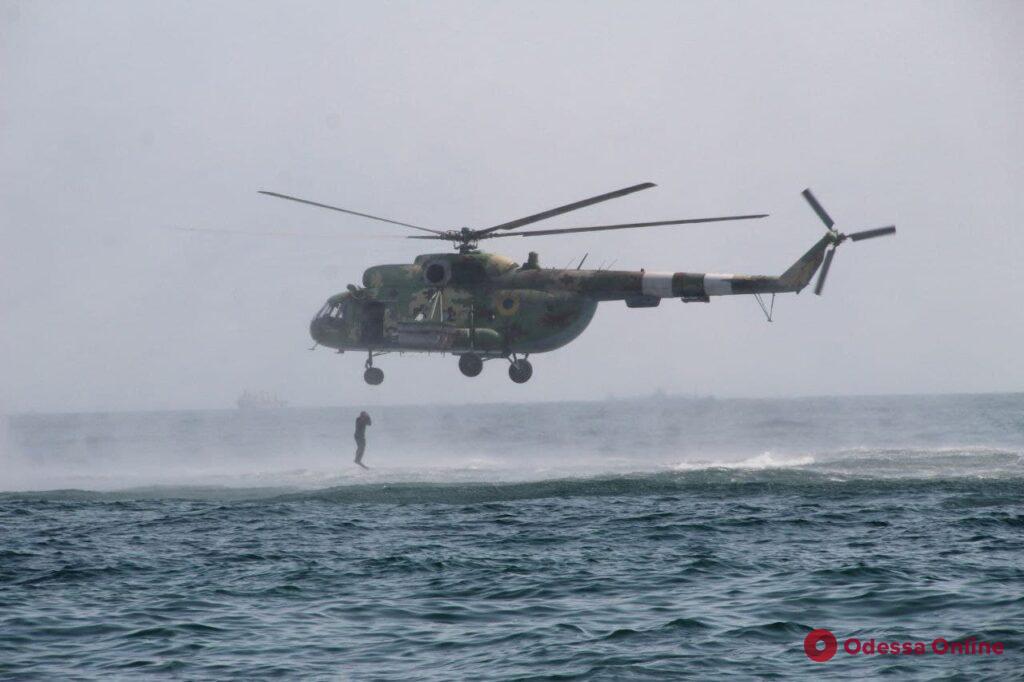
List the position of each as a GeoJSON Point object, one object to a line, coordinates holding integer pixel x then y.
{"type": "Point", "coordinates": [820, 284]}
{"type": "Point", "coordinates": [871, 234]}
{"type": "Point", "coordinates": [825, 217]}
{"type": "Point", "coordinates": [624, 226]}
{"type": "Point", "coordinates": [345, 210]}
{"type": "Point", "coordinates": [568, 207]}
{"type": "Point", "coordinates": [290, 235]}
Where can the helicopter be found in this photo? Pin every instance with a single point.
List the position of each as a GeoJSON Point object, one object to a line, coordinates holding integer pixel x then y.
{"type": "Point", "coordinates": [482, 306]}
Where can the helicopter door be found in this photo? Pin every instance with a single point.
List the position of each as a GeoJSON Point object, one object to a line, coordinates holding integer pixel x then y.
{"type": "Point", "coordinates": [372, 330]}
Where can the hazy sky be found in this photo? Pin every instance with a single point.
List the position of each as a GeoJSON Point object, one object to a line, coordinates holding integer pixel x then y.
{"type": "Point", "coordinates": [121, 119]}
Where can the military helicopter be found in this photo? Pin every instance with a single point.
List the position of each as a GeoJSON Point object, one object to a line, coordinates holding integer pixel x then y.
{"type": "Point", "coordinates": [483, 306]}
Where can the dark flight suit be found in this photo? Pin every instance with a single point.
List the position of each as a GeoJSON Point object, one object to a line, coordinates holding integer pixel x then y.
{"type": "Point", "coordinates": [361, 423]}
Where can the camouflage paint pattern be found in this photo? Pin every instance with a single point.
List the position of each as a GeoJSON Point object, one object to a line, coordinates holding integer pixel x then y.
{"type": "Point", "coordinates": [486, 303]}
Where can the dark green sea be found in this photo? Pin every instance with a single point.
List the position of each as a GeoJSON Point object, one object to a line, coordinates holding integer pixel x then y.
{"type": "Point", "coordinates": [658, 538]}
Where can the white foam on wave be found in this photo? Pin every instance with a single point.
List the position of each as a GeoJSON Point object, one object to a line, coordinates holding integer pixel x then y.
{"type": "Point", "coordinates": [765, 460]}
{"type": "Point", "coordinates": [922, 462]}
{"type": "Point", "coordinates": [305, 470]}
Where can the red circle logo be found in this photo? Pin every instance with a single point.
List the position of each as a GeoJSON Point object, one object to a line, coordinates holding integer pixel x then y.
{"type": "Point", "coordinates": [815, 637]}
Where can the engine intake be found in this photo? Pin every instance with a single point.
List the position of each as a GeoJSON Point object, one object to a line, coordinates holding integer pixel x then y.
{"type": "Point", "coordinates": [437, 273]}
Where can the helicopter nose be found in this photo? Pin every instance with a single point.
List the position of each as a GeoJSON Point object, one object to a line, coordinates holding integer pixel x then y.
{"type": "Point", "coordinates": [316, 330]}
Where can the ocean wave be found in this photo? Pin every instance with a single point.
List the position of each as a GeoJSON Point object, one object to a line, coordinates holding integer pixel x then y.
{"type": "Point", "coordinates": [724, 483]}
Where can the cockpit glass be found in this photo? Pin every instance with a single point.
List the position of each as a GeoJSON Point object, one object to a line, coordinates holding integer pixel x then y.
{"type": "Point", "coordinates": [332, 310]}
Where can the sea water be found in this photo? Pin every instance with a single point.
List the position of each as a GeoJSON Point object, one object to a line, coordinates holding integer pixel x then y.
{"type": "Point", "coordinates": [659, 537]}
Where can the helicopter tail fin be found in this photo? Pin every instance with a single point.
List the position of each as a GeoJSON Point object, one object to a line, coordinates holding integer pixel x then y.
{"type": "Point", "coordinates": [800, 273]}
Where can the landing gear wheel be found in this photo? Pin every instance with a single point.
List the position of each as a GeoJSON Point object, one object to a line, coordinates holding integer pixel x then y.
{"type": "Point", "coordinates": [470, 364]}
{"type": "Point", "coordinates": [520, 371]}
{"type": "Point", "coordinates": [373, 376]}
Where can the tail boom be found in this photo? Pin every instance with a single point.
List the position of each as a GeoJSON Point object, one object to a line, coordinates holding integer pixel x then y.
{"type": "Point", "coordinates": [647, 288]}
{"type": "Point", "coordinates": [701, 285]}
{"type": "Point", "coordinates": [698, 286]}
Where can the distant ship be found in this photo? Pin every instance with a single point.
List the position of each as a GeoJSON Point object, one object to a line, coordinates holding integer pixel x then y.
{"type": "Point", "coordinates": [259, 400]}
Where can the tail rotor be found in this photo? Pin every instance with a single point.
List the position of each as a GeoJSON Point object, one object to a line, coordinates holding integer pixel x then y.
{"type": "Point", "coordinates": [820, 284]}
{"type": "Point", "coordinates": [837, 237]}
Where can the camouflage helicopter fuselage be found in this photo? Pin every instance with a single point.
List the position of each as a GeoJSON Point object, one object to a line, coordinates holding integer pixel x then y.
{"type": "Point", "coordinates": [488, 305]}
{"type": "Point", "coordinates": [480, 306]}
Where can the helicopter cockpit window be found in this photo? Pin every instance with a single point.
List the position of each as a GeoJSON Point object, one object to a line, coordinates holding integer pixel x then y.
{"type": "Point", "coordinates": [332, 310]}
